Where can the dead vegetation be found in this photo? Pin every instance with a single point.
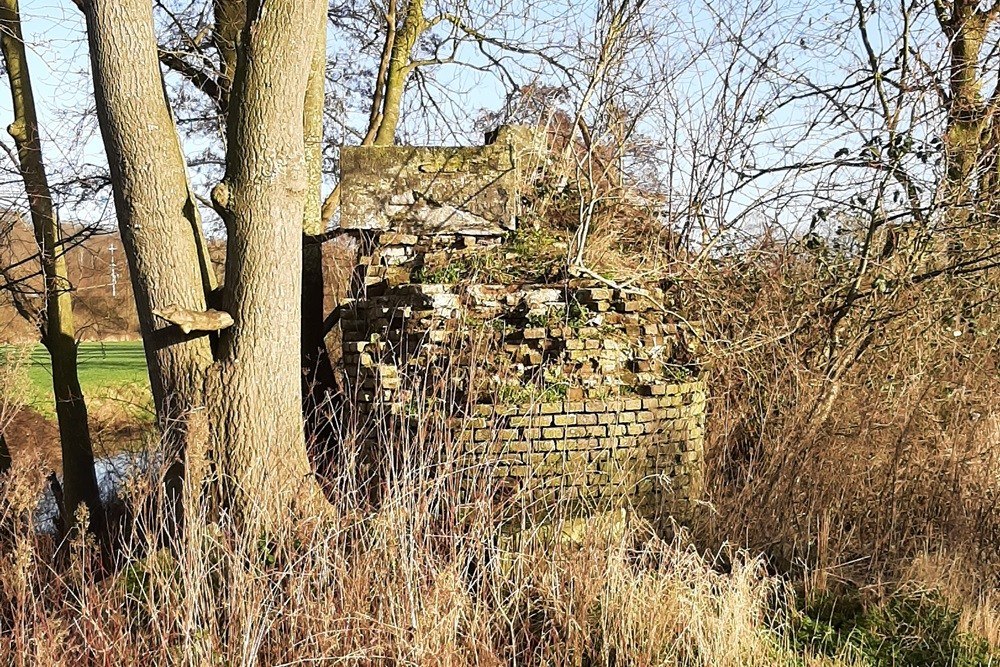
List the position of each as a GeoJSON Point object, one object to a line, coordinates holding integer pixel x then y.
{"type": "Point", "coordinates": [416, 580]}
{"type": "Point", "coordinates": [839, 512]}
{"type": "Point", "coordinates": [419, 578]}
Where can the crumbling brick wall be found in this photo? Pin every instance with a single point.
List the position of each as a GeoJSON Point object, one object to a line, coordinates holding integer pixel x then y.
{"type": "Point", "coordinates": [569, 412]}
{"type": "Point", "coordinates": [645, 453]}
{"type": "Point", "coordinates": [419, 189]}
{"type": "Point", "coordinates": [569, 392]}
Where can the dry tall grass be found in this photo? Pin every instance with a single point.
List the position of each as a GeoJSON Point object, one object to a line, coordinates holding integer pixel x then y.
{"type": "Point", "coordinates": [849, 445]}
{"type": "Point", "coordinates": [882, 477]}
{"type": "Point", "coordinates": [14, 382]}
{"type": "Point", "coordinates": [858, 474]}
{"type": "Point", "coordinates": [417, 580]}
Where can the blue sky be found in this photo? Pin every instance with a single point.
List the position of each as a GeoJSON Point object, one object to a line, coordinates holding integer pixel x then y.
{"type": "Point", "coordinates": [54, 31]}
{"type": "Point", "coordinates": [58, 58]}
{"type": "Point", "coordinates": [57, 52]}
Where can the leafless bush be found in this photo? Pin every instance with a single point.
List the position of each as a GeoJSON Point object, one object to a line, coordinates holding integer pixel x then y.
{"type": "Point", "coordinates": [855, 474]}
{"type": "Point", "coordinates": [13, 382]}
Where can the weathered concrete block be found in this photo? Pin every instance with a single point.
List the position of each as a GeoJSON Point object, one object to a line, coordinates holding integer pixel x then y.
{"type": "Point", "coordinates": [472, 191]}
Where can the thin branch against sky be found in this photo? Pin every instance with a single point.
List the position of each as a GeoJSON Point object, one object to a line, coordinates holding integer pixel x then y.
{"type": "Point", "coordinates": [738, 88]}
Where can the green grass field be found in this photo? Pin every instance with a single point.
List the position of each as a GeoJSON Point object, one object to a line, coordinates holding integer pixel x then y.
{"type": "Point", "coordinates": [109, 370]}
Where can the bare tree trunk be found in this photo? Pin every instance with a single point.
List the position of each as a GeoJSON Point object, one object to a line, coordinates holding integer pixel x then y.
{"type": "Point", "coordinates": [79, 478]}
{"type": "Point", "coordinates": [230, 15]}
{"type": "Point", "coordinates": [400, 66]}
{"type": "Point", "coordinates": [317, 372]}
{"type": "Point", "coordinates": [257, 398]}
{"type": "Point", "coordinates": [378, 96]}
{"type": "Point", "coordinates": [966, 30]}
{"type": "Point", "coordinates": [5, 460]}
{"type": "Point", "coordinates": [157, 214]}
{"type": "Point", "coordinates": [312, 121]}
{"type": "Point", "coordinates": [390, 82]}
{"type": "Point", "coordinates": [57, 327]}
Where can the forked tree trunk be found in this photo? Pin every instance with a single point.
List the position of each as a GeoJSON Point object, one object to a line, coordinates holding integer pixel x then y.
{"type": "Point", "coordinates": [58, 332]}
{"type": "Point", "coordinates": [257, 396]}
{"type": "Point", "coordinates": [400, 66]}
{"type": "Point", "coordinates": [157, 214]}
{"type": "Point", "coordinates": [250, 388]}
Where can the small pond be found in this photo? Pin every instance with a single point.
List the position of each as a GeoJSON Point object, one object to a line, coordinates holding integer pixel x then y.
{"type": "Point", "coordinates": [112, 471]}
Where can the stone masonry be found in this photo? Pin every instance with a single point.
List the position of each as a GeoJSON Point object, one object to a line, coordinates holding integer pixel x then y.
{"type": "Point", "coordinates": [570, 393]}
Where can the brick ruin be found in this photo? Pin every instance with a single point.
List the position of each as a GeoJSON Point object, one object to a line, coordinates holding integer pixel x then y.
{"type": "Point", "coordinates": [565, 390]}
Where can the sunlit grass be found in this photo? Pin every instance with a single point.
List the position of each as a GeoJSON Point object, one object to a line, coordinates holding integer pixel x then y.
{"type": "Point", "coordinates": [109, 372]}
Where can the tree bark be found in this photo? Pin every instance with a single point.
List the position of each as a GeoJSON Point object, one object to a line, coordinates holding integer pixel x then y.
{"type": "Point", "coordinates": [229, 15]}
{"type": "Point", "coordinates": [58, 332]}
{"type": "Point", "coordinates": [5, 460]}
{"type": "Point", "coordinates": [312, 119]}
{"type": "Point", "coordinates": [400, 66]}
{"type": "Point", "coordinates": [156, 211]}
{"type": "Point", "coordinates": [966, 29]}
{"type": "Point", "coordinates": [257, 398]}
{"type": "Point", "coordinates": [317, 372]}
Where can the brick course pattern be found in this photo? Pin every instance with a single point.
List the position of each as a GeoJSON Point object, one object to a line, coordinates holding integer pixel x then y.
{"type": "Point", "coordinates": [572, 393]}
{"type": "Point", "coordinates": [644, 453]}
